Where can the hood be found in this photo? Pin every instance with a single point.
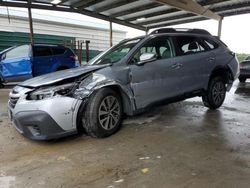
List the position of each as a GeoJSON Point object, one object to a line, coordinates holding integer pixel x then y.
{"type": "Point", "coordinates": [51, 78]}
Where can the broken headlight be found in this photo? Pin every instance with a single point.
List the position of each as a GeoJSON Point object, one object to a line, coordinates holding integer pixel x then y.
{"type": "Point", "coordinates": [49, 92]}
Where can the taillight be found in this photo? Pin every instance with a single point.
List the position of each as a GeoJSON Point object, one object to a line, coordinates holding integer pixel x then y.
{"type": "Point", "coordinates": [74, 57]}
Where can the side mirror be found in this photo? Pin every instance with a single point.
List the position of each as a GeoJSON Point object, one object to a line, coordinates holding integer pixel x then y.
{"type": "Point", "coordinates": [146, 58]}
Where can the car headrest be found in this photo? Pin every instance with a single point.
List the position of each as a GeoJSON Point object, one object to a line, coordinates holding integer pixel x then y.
{"type": "Point", "coordinates": [166, 54]}
{"type": "Point", "coordinates": [193, 46]}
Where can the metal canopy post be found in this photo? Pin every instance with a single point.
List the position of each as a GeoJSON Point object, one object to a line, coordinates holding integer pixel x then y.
{"type": "Point", "coordinates": [31, 25]}
{"type": "Point", "coordinates": [220, 27]}
{"type": "Point", "coordinates": [87, 50]}
{"type": "Point", "coordinates": [110, 34]}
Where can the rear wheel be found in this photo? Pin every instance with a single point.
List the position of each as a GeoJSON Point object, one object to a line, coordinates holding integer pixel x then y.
{"type": "Point", "coordinates": [215, 94]}
{"type": "Point", "coordinates": [242, 80]}
{"type": "Point", "coordinates": [102, 116]}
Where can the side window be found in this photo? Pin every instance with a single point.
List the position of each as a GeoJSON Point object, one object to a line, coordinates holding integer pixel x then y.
{"type": "Point", "coordinates": [160, 46]}
{"type": "Point", "coordinates": [20, 51]}
{"type": "Point", "coordinates": [58, 51]}
{"type": "Point", "coordinates": [189, 45]}
{"type": "Point", "coordinates": [211, 44]}
{"type": "Point", "coordinates": [39, 51]}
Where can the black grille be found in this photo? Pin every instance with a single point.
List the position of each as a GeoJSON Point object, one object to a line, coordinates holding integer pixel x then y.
{"type": "Point", "coordinates": [13, 101]}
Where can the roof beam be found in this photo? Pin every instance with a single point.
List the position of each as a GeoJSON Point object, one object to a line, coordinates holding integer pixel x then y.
{"type": "Point", "coordinates": [167, 19]}
{"type": "Point", "coordinates": [235, 12]}
{"type": "Point", "coordinates": [114, 5]}
{"type": "Point", "coordinates": [159, 13]}
{"type": "Point", "coordinates": [137, 9]}
{"type": "Point", "coordinates": [179, 22]}
{"type": "Point", "coordinates": [62, 1]}
{"type": "Point", "coordinates": [191, 6]}
{"type": "Point", "coordinates": [86, 3]}
{"type": "Point", "coordinates": [232, 8]}
{"type": "Point", "coordinates": [186, 15]}
{"type": "Point", "coordinates": [70, 9]}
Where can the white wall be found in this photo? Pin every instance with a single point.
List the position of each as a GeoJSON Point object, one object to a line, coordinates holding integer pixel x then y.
{"type": "Point", "coordinates": [99, 38]}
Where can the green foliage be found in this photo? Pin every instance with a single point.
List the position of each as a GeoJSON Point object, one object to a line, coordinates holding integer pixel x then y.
{"type": "Point", "coordinates": [242, 57]}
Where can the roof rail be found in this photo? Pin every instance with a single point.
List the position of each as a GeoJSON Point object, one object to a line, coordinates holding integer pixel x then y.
{"type": "Point", "coordinates": [181, 30]}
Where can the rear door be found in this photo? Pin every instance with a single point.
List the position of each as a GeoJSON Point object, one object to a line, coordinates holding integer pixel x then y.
{"type": "Point", "coordinates": [16, 64]}
{"type": "Point", "coordinates": [43, 60]}
{"type": "Point", "coordinates": [194, 61]}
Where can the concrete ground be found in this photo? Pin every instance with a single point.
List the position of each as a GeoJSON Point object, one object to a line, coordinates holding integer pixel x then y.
{"type": "Point", "coordinates": [178, 145]}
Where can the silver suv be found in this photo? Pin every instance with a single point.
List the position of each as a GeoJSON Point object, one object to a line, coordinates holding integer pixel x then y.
{"type": "Point", "coordinates": [166, 66]}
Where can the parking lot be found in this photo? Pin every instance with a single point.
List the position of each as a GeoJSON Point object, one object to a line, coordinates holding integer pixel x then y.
{"type": "Point", "coordinates": [177, 145]}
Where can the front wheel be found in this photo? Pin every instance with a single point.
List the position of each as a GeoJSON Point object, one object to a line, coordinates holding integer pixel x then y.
{"type": "Point", "coordinates": [216, 93]}
{"type": "Point", "coordinates": [102, 116]}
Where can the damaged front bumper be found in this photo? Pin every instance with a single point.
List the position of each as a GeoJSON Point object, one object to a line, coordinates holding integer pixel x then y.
{"type": "Point", "coordinates": [44, 119]}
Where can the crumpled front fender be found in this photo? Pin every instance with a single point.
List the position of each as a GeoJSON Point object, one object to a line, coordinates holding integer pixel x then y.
{"type": "Point", "coordinates": [96, 81]}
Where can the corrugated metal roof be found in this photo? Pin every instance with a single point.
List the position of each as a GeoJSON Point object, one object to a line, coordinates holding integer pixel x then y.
{"type": "Point", "coordinates": [140, 14]}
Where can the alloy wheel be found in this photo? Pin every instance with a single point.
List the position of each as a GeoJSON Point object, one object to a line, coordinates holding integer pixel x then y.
{"type": "Point", "coordinates": [218, 93]}
{"type": "Point", "coordinates": [109, 112]}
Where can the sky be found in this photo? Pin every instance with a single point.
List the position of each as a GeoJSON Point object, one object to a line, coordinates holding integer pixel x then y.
{"type": "Point", "coordinates": [235, 29]}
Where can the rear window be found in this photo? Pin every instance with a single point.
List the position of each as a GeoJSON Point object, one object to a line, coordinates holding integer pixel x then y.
{"type": "Point", "coordinates": [211, 44]}
{"type": "Point", "coordinates": [58, 51]}
{"type": "Point", "coordinates": [189, 45]}
{"type": "Point", "coordinates": [40, 51]}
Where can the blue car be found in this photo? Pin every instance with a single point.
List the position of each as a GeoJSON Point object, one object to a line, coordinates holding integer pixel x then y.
{"type": "Point", "coordinates": [22, 62]}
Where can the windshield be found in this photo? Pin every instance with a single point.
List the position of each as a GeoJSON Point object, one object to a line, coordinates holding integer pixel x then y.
{"type": "Point", "coordinates": [115, 54]}
{"type": "Point", "coordinates": [7, 50]}
{"type": "Point", "coordinates": [248, 58]}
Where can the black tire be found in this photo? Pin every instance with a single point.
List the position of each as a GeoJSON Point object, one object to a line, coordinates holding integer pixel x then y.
{"type": "Point", "coordinates": [216, 93]}
{"type": "Point", "coordinates": [242, 80]}
{"type": "Point", "coordinates": [97, 111]}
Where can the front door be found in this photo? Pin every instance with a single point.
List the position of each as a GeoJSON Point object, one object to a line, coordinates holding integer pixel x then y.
{"type": "Point", "coordinates": [16, 65]}
{"type": "Point", "coordinates": [156, 80]}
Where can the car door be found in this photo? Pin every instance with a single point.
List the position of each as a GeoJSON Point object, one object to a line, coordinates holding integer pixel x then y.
{"type": "Point", "coordinates": [156, 80]}
{"type": "Point", "coordinates": [194, 61]}
{"type": "Point", "coordinates": [43, 60]}
{"type": "Point", "coordinates": [15, 65]}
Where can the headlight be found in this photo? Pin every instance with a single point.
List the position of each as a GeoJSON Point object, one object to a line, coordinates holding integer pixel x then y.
{"type": "Point", "coordinates": [51, 91]}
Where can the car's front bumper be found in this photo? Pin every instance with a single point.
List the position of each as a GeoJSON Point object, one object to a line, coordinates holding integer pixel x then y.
{"type": "Point", "coordinates": [45, 119]}
{"type": "Point", "coordinates": [38, 125]}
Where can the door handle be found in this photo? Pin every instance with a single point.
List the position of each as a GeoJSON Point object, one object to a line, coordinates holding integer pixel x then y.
{"type": "Point", "coordinates": [210, 59]}
{"type": "Point", "coordinates": [176, 66]}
